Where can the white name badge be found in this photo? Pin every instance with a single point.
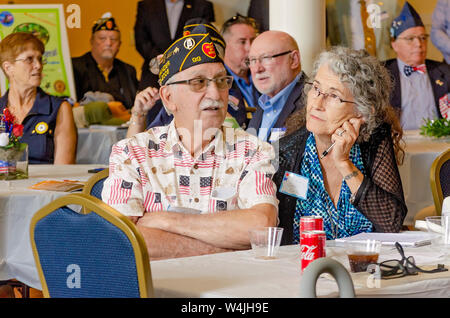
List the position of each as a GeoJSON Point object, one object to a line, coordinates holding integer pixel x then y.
{"type": "Point", "coordinates": [294, 185]}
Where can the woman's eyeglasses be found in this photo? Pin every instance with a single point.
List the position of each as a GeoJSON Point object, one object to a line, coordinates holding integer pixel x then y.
{"type": "Point", "coordinates": [399, 268]}
{"type": "Point", "coordinates": [199, 84]}
{"type": "Point", "coordinates": [328, 98]}
{"type": "Point", "coordinates": [30, 59]}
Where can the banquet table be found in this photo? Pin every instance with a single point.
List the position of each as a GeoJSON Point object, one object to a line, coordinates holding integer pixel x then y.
{"type": "Point", "coordinates": [420, 153]}
{"type": "Point", "coordinates": [18, 204]}
{"type": "Point", "coordinates": [95, 143]}
{"type": "Point", "coordinates": [240, 275]}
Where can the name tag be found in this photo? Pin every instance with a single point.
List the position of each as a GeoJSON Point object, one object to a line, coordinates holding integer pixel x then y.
{"type": "Point", "coordinates": [276, 134]}
{"type": "Point", "coordinates": [294, 185]}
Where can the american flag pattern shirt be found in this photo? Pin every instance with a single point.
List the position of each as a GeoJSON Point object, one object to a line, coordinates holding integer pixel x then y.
{"type": "Point", "coordinates": [153, 171]}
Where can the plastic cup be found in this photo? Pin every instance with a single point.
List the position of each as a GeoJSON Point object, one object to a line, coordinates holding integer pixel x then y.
{"type": "Point", "coordinates": [265, 242]}
{"type": "Point", "coordinates": [362, 253]}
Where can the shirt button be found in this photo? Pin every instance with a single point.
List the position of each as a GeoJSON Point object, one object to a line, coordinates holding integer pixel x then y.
{"type": "Point", "coordinates": [196, 200]}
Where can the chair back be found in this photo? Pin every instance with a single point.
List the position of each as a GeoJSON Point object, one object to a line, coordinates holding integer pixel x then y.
{"type": "Point", "coordinates": [94, 185]}
{"type": "Point", "coordinates": [326, 265]}
{"type": "Point", "coordinates": [440, 179]}
{"type": "Point", "coordinates": [99, 253]}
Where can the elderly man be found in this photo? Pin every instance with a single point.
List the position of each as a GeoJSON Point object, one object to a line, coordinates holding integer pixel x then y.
{"type": "Point", "coordinates": [238, 34]}
{"type": "Point", "coordinates": [100, 71]}
{"type": "Point", "coordinates": [419, 84]}
{"type": "Point", "coordinates": [193, 187]}
{"type": "Point", "coordinates": [274, 62]}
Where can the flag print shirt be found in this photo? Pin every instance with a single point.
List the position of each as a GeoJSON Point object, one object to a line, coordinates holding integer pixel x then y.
{"type": "Point", "coordinates": [153, 171]}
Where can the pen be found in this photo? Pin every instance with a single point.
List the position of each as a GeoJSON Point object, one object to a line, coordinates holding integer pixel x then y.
{"type": "Point", "coordinates": [327, 151]}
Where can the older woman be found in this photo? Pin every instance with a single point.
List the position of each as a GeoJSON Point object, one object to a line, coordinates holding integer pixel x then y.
{"type": "Point", "coordinates": [355, 184]}
{"type": "Point", "coordinates": [49, 128]}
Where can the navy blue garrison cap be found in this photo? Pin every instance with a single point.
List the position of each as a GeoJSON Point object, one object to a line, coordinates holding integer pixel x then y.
{"type": "Point", "coordinates": [408, 18]}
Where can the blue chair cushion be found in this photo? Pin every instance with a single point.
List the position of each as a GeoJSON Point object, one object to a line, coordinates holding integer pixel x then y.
{"type": "Point", "coordinates": [97, 188]}
{"type": "Point", "coordinates": [103, 254]}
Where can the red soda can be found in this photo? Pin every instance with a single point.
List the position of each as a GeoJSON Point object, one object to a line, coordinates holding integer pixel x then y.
{"type": "Point", "coordinates": [311, 223]}
{"type": "Point", "coordinates": [312, 247]}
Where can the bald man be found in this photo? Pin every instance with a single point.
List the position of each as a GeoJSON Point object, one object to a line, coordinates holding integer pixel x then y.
{"type": "Point", "coordinates": [274, 62]}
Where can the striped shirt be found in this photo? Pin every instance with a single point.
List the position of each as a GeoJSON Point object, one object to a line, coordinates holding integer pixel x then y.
{"type": "Point", "coordinates": [153, 171]}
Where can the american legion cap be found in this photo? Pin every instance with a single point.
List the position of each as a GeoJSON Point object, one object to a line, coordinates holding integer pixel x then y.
{"type": "Point", "coordinates": [192, 49]}
{"type": "Point", "coordinates": [106, 22]}
{"type": "Point", "coordinates": [408, 18]}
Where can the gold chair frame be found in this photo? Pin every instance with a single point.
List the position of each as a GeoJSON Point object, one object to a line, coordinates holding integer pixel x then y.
{"type": "Point", "coordinates": [435, 181]}
{"type": "Point", "coordinates": [90, 203]}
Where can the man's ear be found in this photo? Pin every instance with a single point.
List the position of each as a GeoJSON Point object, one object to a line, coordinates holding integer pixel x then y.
{"type": "Point", "coordinates": [166, 94]}
{"type": "Point", "coordinates": [295, 59]}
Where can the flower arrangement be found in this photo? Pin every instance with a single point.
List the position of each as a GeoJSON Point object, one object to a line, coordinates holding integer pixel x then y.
{"type": "Point", "coordinates": [436, 128]}
{"type": "Point", "coordinates": [10, 132]}
{"type": "Point", "coordinates": [13, 153]}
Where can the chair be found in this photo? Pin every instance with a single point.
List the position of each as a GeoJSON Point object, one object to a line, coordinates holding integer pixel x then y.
{"type": "Point", "coordinates": [440, 179]}
{"type": "Point", "coordinates": [326, 265]}
{"type": "Point", "coordinates": [94, 185]}
{"type": "Point", "coordinates": [95, 254]}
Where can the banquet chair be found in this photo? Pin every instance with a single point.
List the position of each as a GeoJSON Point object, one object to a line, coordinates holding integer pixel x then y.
{"type": "Point", "coordinates": [440, 179]}
{"type": "Point", "coordinates": [94, 185]}
{"type": "Point", "coordinates": [326, 265]}
{"type": "Point", "coordinates": [96, 254]}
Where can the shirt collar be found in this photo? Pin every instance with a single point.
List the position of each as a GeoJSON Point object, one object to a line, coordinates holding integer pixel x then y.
{"type": "Point", "coordinates": [237, 78]}
{"type": "Point", "coordinates": [217, 144]}
{"type": "Point", "coordinates": [265, 102]}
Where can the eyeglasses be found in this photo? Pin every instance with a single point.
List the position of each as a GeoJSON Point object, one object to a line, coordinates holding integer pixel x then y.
{"type": "Point", "coordinates": [265, 60]}
{"type": "Point", "coordinates": [239, 19]}
{"type": "Point", "coordinates": [410, 39]}
{"type": "Point", "coordinates": [31, 59]}
{"type": "Point", "coordinates": [328, 98]}
{"type": "Point", "coordinates": [406, 266]}
{"type": "Point", "coordinates": [199, 84]}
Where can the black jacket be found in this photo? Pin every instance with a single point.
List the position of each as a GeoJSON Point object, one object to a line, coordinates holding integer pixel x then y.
{"type": "Point", "coordinates": [439, 74]}
{"type": "Point", "coordinates": [152, 32]}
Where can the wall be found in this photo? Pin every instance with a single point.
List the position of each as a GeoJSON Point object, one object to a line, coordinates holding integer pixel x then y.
{"type": "Point", "coordinates": [125, 14]}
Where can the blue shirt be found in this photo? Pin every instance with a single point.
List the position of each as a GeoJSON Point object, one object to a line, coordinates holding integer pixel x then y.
{"type": "Point", "coordinates": [440, 28]}
{"type": "Point", "coordinates": [39, 126]}
{"type": "Point", "coordinates": [342, 220]}
{"type": "Point", "coordinates": [272, 108]}
{"type": "Point", "coordinates": [417, 99]}
{"type": "Point", "coordinates": [247, 89]}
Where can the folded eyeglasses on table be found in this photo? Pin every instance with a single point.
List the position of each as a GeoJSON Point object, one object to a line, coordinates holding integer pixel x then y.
{"type": "Point", "coordinates": [393, 268]}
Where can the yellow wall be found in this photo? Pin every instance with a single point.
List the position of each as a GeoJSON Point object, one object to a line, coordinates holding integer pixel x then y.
{"type": "Point", "coordinates": [125, 14]}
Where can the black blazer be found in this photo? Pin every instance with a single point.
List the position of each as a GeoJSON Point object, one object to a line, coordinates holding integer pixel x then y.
{"type": "Point", "coordinates": [259, 10]}
{"type": "Point", "coordinates": [152, 32]}
{"type": "Point", "coordinates": [439, 74]}
{"type": "Point", "coordinates": [293, 103]}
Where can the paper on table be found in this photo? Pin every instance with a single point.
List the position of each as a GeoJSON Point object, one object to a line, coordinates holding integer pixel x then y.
{"type": "Point", "coordinates": [59, 186]}
{"type": "Point", "coordinates": [412, 238]}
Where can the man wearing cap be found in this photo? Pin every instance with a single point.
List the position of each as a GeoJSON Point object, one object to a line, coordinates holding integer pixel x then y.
{"type": "Point", "coordinates": [419, 83]}
{"type": "Point", "coordinates": [100, 71]}
{"type": "Point", "coordinates": [238, 34]}
{"type": "Point", "coordinates": [193, 187]}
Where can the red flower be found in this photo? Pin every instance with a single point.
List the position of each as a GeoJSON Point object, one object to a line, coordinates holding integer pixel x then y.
{"type": "Point", "coordinates": [9, 118]}
{"type": "Point", "coordinates": [17, 130]}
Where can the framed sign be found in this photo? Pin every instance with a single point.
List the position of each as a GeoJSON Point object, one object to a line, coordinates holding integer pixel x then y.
{"type": "Point", "coordinates": [47, 22]}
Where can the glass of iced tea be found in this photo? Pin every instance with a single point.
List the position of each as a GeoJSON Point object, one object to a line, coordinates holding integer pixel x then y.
{"type": "Point", "coordinates": [362, 253]}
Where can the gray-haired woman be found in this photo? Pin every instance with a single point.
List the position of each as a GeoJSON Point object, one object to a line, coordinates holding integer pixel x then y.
{"type": "Point", "coordinates": [344, 147]}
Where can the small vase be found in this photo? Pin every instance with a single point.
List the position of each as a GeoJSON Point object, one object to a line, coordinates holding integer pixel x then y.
{"type": "Point", "coordinates": [14, 162]}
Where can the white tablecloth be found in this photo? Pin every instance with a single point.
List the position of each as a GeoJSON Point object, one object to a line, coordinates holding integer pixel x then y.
{"type": "Point", "coordinates": [95, 142]}
{"type": "Point", "coordinates": [240, 275]}
{"type": "Point", "coordinates": [415, 171]}
{"type": "Point", "coordinates": [17, 206]}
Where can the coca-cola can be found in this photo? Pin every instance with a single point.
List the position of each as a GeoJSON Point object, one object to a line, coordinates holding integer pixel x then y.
{"type": "Point", "coordinates": [312, 247]}
{"type": "Point", "coordinates": [311, 223]}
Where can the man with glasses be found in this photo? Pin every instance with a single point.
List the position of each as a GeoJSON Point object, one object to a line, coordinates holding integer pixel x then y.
{"type": "Point", "coordinates": [193, 187]}
{"type": "Point", "coordinates": [420, 85]}
{"type": "Point", "coordinates": [100, 71]}
{"type": "Point", "coordinates": [274, 62]}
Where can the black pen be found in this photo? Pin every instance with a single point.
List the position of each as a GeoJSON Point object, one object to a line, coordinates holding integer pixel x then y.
{"type": "Point", "coordinates": [327, 151]}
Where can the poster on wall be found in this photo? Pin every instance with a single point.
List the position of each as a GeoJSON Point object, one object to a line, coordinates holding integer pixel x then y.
{"type": "Point", "coordinates": [47, 22]}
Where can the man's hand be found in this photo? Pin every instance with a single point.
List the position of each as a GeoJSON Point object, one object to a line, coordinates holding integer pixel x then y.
{"type": "Point", "coordinates": [145, 100]}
